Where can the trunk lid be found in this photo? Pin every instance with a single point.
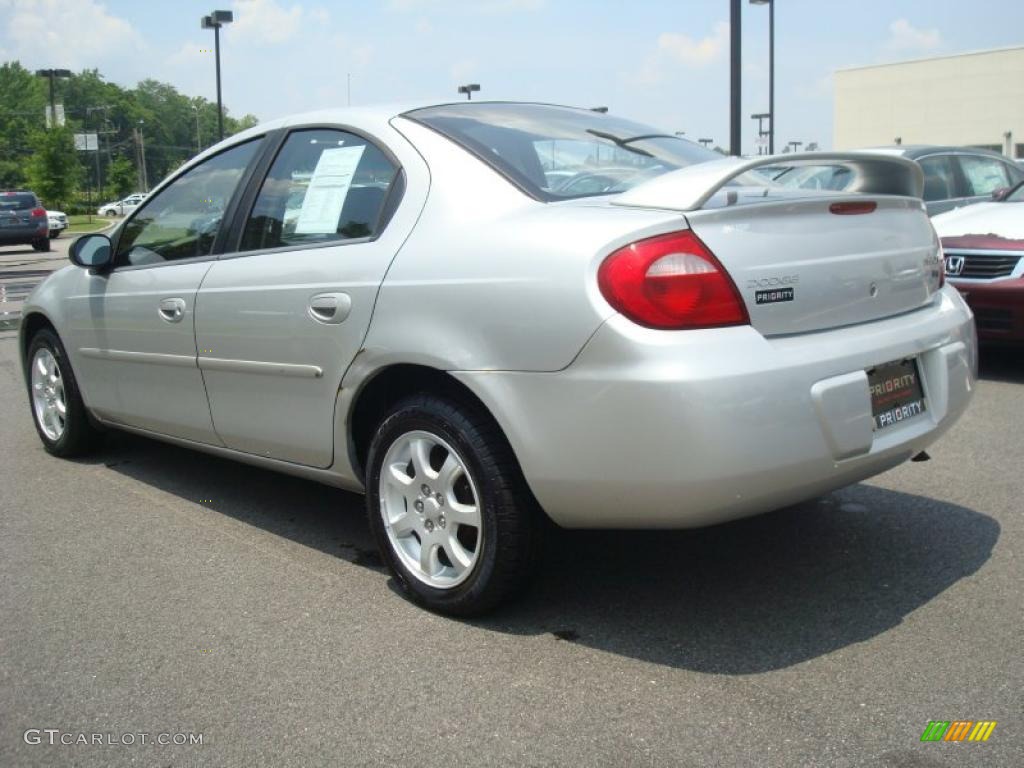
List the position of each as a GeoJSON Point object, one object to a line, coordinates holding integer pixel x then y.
{"type": "Point", "coordinates": [801, 267]}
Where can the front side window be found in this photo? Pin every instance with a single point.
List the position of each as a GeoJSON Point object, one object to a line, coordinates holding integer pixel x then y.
{"type": "Point", "coordinates": [939, 178]}
{"type": "Point", "coordinates": [182, 221]}
{"type": "Point", "coordinates": [984, 175]}
{"type": "Point", "coordinates": [324, 186]}
{"type": "Point", "coordinates": [557, 153]}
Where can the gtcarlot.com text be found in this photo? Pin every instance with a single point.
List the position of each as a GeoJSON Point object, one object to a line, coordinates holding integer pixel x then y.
{"type": "Point", "coordinates": [55, 736]}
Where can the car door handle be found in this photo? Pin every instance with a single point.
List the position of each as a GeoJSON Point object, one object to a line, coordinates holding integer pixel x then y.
{"type": "Point", "coordinates": [172, 310]}
{"type": "Point", "coordinates": [330, 307]}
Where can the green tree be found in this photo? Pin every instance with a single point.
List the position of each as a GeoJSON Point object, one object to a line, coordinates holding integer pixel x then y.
{"type": "Point", "coordinates": [121, 177]}
{"type": "Point", "coordinates": [53, 170]}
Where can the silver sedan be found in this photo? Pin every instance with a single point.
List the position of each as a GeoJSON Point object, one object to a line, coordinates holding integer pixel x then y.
{"type": "Point", "coordinates": [418, 303]}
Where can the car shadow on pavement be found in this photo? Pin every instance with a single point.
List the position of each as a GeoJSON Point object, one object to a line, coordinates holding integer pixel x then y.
{"type": "Point", "coordinates": [750, 596]}
{"type": "Point", "coordinates": [1001, 363]}
{"type": "Point", "coordinates": [757, 594]}
{"type": "Point", "coordinates": [315, 515]}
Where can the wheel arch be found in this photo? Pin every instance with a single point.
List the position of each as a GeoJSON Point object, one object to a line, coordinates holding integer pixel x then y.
{"type": "Point", "coordinates": [392, 383]}
{"type": "Point", "coordinates": [31, 324]}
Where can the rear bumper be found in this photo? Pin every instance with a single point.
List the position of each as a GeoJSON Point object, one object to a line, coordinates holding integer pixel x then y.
{"type": "Point", "coordinates": [998, 306]}
{"type": "Point", "coordinates": [19, 235]}
{"type": "Point", "coordinates": [661, 429]}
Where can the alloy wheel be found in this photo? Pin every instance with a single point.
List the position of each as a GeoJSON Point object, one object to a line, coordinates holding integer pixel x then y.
{"type": "Point", "coordinates": [48, 398]}
{"type": "Point", "coordinates": [431, 509]}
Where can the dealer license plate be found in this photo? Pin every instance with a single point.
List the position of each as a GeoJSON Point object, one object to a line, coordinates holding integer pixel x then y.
{"type": "Point", "coordinates": [896, 393]}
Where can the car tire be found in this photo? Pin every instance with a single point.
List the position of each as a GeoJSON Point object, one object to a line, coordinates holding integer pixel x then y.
{"type": "Point", "coordinates": [54, 234]}
{"type": "Point", "coordinates": [475, 562]}
{"type": "Point", "coordinates": [43, 246]}
{"type": "Point", "coordinates": [48, 366]}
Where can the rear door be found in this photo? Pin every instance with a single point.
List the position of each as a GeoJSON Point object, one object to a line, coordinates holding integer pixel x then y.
{"type": "Point", "coordinates": [279, 321]}
{"type": "Point", "coordinates": [982, 176]}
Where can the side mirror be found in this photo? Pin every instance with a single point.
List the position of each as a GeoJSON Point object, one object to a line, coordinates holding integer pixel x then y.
{"type": "Point", "coordinates": [1001, 193]}
{"type": "Point", "coordinates": [91, 252]}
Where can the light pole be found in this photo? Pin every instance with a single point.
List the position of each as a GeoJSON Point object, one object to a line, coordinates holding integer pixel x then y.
{"type": "Point", "coordinates": [706, 142]}
{"type": "Point", "coordinates": [771, 71]}
{"type": "Point", "coordinates": [735, 76]}
{"type": "Point", "coordinates": [199, 141]}
{"type": "Point", "coordinates": [760, 128]}
{"type": "Point", "coordinates": [469, 89]}
{"type": "Point", "coordinates": [215, 21]}
{"type": "Point", "coordinates": [51, 75]}
{"type": "Point", "coordinates": [796, 145]}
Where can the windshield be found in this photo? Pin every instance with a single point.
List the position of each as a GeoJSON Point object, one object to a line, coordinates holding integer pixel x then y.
{"type": "Point", "coordinates": [558, 153]}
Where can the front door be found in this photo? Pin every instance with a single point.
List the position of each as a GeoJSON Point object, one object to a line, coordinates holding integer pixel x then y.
{"type": "Point", "coordinates": [279, 322]}
{"type": "Point", "coordinates": [133, 328]}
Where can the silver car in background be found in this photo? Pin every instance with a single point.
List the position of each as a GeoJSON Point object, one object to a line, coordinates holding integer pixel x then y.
{"type": "Point", "coordinates": [415, 303]}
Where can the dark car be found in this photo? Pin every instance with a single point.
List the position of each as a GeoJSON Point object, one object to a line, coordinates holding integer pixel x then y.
{"type": "Point", "coordinates": [958, 176]}
{"type": "Point", "coordinates": [23, 220]}
{"type": "Point", "coordinates": [953, 176]}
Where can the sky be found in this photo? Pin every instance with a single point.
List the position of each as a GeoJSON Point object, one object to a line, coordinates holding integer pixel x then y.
{"type": "Point", "coordinates": [663, 62]}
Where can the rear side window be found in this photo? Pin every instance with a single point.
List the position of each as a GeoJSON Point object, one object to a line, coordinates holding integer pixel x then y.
{"type": "Point", "coordinates": [18, 201]}
{"type": "Point", "coordinates": [939, 177]}
{"type": "Point", "coordinates": [324, 186]}
{"type": "Point", "coordinates": [984, 175]}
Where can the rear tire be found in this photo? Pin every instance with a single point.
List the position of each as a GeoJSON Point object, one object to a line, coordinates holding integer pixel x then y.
{"type": "Point", "coordinates": [58, 412]}
{"type": "Point", "coordinates": [444, 477]}
{"type": "Point", "coordinates": [43, 246]}
{"type": "Point", "coordinates": [54, 234]}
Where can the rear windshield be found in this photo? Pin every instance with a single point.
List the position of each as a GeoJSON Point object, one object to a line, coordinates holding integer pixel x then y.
{"type": "Point", "coordinates": [558, 153]}
{"type": "Point", "coordinates": [17, 201]}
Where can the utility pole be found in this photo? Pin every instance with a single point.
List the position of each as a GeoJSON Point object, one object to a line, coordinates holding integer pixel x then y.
{"type": "Point", "coordinates": [140, 146]}
{"type": "Point", "coordinates": [215, 21]}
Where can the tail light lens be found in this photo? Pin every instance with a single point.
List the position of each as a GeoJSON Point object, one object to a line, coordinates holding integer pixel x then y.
{"type": "Point", "coordinates": [671, 282]}
{"type": "Point", "coordinates": [38, 212]}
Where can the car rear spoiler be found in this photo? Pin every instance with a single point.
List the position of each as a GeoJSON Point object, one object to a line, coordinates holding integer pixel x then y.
{"type": "Point", "coordinates": [688, 189]}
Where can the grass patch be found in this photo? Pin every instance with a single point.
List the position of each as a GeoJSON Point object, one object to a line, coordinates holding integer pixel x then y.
{"type": "Point", "coordinates": [78, 225]}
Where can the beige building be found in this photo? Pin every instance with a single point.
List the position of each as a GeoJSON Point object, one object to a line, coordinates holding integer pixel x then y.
{"type": "Point", "coordinates": [971, 99]}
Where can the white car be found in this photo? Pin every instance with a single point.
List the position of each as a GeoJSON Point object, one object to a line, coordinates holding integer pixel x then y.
{"type": "Point", "coordinates": [122, 207]}
{"type": "Point", "coordinates": [440, 327]}
{"type": "Point", "coordinates": [58, 222]}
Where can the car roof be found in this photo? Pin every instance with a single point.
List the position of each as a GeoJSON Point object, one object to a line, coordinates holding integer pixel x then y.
{"type": "Point", "coordinates": [918, 150]}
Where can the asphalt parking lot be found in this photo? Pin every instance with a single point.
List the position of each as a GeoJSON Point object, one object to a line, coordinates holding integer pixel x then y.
{"type": "Point", "coordinates": [154, 590]}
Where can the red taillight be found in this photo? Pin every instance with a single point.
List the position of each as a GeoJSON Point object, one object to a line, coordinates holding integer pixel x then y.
{"type": "Point", "coordinates": [671, 282]}
{"type": "Point", "coordinates": [37, 212]}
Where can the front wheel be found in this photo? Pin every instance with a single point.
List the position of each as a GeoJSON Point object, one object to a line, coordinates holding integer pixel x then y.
{"type": "Point", "coordinates": [449, 508]}
{"type": "Point", "coordinates": [57, 408]}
